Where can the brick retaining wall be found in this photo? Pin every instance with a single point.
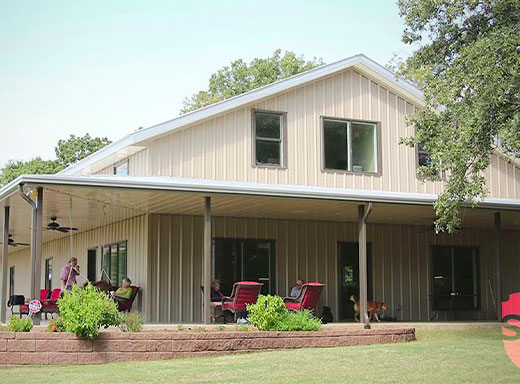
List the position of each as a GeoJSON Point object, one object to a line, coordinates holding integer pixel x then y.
{"type": "Point", "coordinates": [66, 348]}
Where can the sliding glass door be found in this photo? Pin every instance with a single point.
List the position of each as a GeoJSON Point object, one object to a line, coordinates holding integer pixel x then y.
{"type": "Point", "coordinates": [244, 260]}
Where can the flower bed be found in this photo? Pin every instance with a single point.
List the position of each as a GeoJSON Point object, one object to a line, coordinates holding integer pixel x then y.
{"type": "Point", "coordinates": [66, 348]}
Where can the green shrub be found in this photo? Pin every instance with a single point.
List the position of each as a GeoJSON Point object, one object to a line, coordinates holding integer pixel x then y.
{"type": "Point", "coordinates": [266, 312]}
{"type": "Point", "coordinates": [270, 314]}
{"type": "Point", "coordinates": [298, 321]}
{"type": "Point", "coordinates": [131, 322]}
{"type": "Point", "coordinates": [19, 325]}
{"type": "Point", "coordinates": [85, 310]}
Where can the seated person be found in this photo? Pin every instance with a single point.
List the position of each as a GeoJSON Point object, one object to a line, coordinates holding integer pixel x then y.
{"type": "Point", "coordinates": [216, 293]}
{"type": "Point", "coordinates": [125, 292]}
{"type": "Point", "coordinates": [295, 291]}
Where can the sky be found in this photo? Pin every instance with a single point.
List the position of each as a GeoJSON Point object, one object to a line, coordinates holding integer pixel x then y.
{"type": "Point", "coordinates": [109, 67]}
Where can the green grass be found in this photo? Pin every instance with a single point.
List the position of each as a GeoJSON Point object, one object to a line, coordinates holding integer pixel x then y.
{"type": "Point", "coordinates": [447, 356]}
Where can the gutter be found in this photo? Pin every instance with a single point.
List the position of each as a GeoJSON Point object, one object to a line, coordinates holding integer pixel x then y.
{"type": "Point", "coordinates": [205, 186]}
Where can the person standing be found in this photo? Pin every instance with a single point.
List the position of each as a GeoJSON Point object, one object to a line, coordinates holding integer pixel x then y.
{"type": "Point", "coordinates": [68, 274]}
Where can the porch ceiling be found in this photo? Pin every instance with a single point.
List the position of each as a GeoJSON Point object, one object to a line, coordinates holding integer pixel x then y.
{"type": "Point", "coordinates": [96, 206]}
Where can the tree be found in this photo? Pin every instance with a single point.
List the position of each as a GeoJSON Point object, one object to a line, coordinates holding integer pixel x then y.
{"type": "Point", "coordinates": [239, 77]}
{"type": "Point", "coordinates": [76, 148]}
{"type": "Point", "coordinates": [470, 63]}
{"type": "Point", "coordinates": [67, 152]}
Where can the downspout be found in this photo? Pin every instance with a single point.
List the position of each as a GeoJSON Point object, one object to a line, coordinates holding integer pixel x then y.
{"type": "Point", "coordinates": [33, 237]}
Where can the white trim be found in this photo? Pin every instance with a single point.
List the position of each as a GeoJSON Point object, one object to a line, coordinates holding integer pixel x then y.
{"type": "Point", "coordinates": [360, 62]}
{"type": "Point", "coordinates": [239, 188]}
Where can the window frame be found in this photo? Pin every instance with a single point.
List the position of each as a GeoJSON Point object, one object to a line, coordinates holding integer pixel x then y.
{"type": "Point", "coordinates": [442, 175]}
{"type": "Point", "coordinates": [124, 161]}
{"type": "Point", "coordinates": [379, 162]}
{"type": "Point", "coordinates": [108, 272]}
{"type": "Point", "coordinates": [12, 276]}
{"type": "Point", "coordinates": [48, 262]}
{"type": "Point", "coordinates": [282, 140]}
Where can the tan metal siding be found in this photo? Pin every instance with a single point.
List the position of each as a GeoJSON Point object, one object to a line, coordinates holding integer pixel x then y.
{"type": "Point", "coordinates": [309, 250]}
{"type": "Point", "coordinates": [133, 230]}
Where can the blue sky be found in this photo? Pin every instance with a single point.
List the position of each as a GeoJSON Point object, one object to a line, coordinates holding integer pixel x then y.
{"type": "Point", "coordinates": [108, 67]}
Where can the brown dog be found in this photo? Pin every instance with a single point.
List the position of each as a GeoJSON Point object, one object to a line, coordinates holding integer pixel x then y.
{"type": "Point", "coordinates": [373, 307]}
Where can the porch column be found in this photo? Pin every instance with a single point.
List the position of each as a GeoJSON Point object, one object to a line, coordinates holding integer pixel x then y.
{"type": "Point", "coordinates": [207, 261]}
{"type": "Point", "coordinates": [38, 251]}
{"type": "Point", "coordinates": [363, 212]}
{"type": "Point", "coordinates": [498, 265]}
{"type": "Point", "coordinates": [5, 251]}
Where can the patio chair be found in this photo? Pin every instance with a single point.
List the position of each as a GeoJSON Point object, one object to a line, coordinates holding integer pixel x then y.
{"type": "Point", "coordinates": [18, 300]}
{"type": "Point", "coordinates": [50, 305]}
{"type": "Point", "coordinates": [307, 299]}
{"type": "Point", "coordinates": [126, 305]}
{"type": "Point", "coordinates": [244, 292]}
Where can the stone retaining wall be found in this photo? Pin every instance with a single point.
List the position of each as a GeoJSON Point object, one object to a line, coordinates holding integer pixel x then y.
{"type": "Point", "coordinates": [66, 348]}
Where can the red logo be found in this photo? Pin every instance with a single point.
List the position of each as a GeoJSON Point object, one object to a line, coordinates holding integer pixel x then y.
{"type": "Point", "coordinates": [511, 328]}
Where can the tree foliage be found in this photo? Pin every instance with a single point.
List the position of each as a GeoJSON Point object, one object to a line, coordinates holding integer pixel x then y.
{"type": "Point", "coordinates": [67, 152]}
{"type": "Point", "coordinates": [469, 60]}
{"type": "Point", "coordinates": [240, 77]}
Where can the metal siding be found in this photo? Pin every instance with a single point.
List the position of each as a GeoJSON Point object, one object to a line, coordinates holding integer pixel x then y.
{"type": "Point", "coordinates": [133, 230]}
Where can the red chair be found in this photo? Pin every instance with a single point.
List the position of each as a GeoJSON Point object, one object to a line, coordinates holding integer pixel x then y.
{"type": "Point", "coordinates": [126, 305]}
{"type": "Point", "coordinates": [50, 305]}
{"type": "Point", "coordinates": [244, 292]}
{"type": "Point", "coordinates": [307, 299]}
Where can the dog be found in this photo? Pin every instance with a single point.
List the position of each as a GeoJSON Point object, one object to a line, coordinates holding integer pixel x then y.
{"type": "Point", "coordinates": [326, 315]}
{"type": "Point", "coordinates": [373, 307]}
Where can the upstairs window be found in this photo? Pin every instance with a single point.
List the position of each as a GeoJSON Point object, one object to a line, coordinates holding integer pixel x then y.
{"type": "Point", "coordinates": [268, 131]}
{"type": "Point", "coordinates": [350, 145]}
{"type": "Point", "coordinates": [121, 168]}
{"type": "Point", "coordinates": [424, 158]}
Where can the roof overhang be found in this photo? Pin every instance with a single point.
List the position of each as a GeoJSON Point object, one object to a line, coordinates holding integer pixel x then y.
{"type": "Point", "coordinates": [360, 62]}
{"type": "Point", "coordinates": [205, 186]}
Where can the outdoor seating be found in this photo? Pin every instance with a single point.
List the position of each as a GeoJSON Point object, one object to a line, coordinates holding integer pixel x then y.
{"type": "Point", "coordinates": [307, 299]}
{"type": "Point", "coordinates": [50, 305]}
{"type": "Point", "coordinates": [126, 305]}
{"type": "Point", "coordinates": [18, 300]}
{"type": "Point", "coordinates": [244, 292]}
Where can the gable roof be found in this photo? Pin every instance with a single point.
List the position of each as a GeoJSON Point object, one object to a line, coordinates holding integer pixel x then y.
{"type": "Point", "coordinates": [130, 143]}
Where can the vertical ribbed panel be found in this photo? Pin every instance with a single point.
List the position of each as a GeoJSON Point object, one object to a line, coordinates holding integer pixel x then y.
{"type": "Point", "coordinates": [134, 230]}
{"type": "Point", "coordinates": [309, 250]}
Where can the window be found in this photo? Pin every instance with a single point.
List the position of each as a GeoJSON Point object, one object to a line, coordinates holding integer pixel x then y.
{"type": "Point", "coordinates": [424, 158]}
{"type": "Point", "coordinates": [114, 263]}
{"type": "Point", "coordinates": [11, 281]}
{"type": "Point", "coordinates": [268, 131]}
{"type": "Point", "coordinates": [244, 260]}
{"type": "Point", "coordinates": [455, 278]}
{"type": "Point", "coordinates": [48, 274]}
{"type": "Point", "coordinates": [350, 145]}
{"type": "Point", "coordinates": [121, 168]}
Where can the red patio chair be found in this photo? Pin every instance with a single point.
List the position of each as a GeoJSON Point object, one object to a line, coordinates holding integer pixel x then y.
{"type": "Point", "coordinates": [244, 292]}
{"type": "Point", "coordinates": [126, 305]}
{"type": "Point", "coordinates": [307, 299]}
{"type": "Point", "coordinates": [50, 305]}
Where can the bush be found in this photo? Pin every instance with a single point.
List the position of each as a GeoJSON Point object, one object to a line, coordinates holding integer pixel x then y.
{"type": "Point", "coordinates": [19, 325]}
{"type": "Point", "coordinates": [84, 310]}
{"type": "Point", "coordinates": [267, 311]}
{"type": "Point", "coordinates": [131, 322]}
{"type": "Point", "coordinates": [270, 314]}
{"type": "Point", "coordinates": [56, 325]}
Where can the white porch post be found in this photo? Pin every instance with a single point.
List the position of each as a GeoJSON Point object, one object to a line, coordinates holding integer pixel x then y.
{"type": "Point", "coordinates": [498, 265]}
{"type": "Point", "coordinates": [5, 251]}
{"type": "Point", "coordinates": [363, 212]}
{"type": "Point", "coordinates": [207, 261]}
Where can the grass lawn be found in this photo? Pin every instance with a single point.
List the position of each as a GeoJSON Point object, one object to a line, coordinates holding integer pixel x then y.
{"type": "Point", "coordinates": [438, 356]}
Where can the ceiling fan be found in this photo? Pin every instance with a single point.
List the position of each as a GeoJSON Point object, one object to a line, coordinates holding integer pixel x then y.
{"type": "Point", "coordinates": [54, 226]}
{"type": "Point", "coordinates": [13, 243]}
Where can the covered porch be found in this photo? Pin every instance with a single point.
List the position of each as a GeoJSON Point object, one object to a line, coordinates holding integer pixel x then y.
{"type": "Point", "coordinates": [172, 236]}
